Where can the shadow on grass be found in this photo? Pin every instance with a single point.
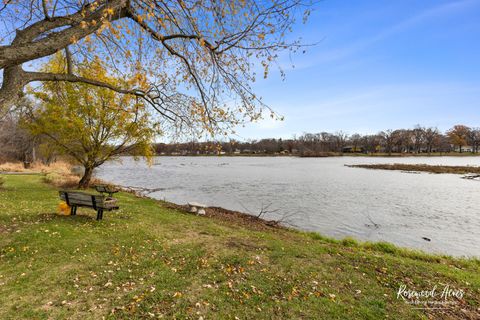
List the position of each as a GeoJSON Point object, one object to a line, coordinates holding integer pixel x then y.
{"type": "Point", "coordinates": [44, 217]}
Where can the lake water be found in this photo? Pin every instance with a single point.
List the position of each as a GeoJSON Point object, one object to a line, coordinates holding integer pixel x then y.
{"type": "Point", "coordinates": [321, 194]}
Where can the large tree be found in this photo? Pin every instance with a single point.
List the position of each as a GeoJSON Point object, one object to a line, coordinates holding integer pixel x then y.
{"type": "Point", "coordinates": [431, 136]}
{"type": "Point", "coordinates": [418, 138]}
{"type": "Point", "coordinates": [387, 138]}
{"type": "Point", "coordinates": [474, 138]}
{"type": "Point", "coordinates": [91, 124]}
{"type": "Point", "coordinates": [458, 136]}
{"type": "Point", "coordinates": [196, 56]}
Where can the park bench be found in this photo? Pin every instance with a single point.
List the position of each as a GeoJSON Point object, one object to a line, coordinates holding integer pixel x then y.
{"type": "Point", "coordinates": [100, 203]}
{"type": "Point", "coordinates": [106, 189]}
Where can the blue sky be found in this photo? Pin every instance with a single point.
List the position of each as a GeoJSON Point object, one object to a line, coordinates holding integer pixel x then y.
{"type": "Point", "coordinates": [378, 65]}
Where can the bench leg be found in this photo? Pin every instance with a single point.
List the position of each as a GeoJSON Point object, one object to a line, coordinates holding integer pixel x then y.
{"type": "Point", "coordinates": [99, 214]}
{"type": "Point", "coordinates": [73, 210]}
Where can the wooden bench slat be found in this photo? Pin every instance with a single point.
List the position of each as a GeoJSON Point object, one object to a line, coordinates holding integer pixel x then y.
{"type": "Point", "coordinates": [86, 199]}
{"type": "Point", "coordinates": [81, 199]}
{"type": "Point", "coordinates": [82, 196]}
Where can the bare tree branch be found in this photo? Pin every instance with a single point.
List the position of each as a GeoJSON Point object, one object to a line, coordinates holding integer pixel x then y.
{"type": "Point", "coordinates": [45, 9]}
{"type": "Point", "coordinates": [68, 57]}
{"type": "Point", "coordinates": [205, 50]}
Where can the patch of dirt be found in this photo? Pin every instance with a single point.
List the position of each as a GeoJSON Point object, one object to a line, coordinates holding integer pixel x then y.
{"type": "Point", "coordinates": [242, 243]}
{"type": "Point", "coordinates": [44, 217]}
{"type": "Point", "coordinates": [4, 229]}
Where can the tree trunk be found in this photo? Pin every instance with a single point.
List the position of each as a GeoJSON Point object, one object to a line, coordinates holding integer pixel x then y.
{"type": "Point", "coordinates": [12, 86]}
{"type": "Point", "coordinates": [34, 154]}
{"type": "Point", "coordinates": [87, 176]}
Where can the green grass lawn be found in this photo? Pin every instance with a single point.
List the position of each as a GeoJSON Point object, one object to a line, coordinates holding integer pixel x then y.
{"type": "Point", "coordinates": [149, 261]}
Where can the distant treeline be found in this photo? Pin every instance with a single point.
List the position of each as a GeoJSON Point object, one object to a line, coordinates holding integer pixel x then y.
{"type": "Point", "coordinates": [16, 144]}
{"type": "Point", "coordinates": [420, 139]}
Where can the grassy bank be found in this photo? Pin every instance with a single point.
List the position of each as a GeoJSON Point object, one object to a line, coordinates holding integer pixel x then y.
{"type": "Point", "coordinates": [58, 173]}
{"type": "Point", "coordinates": [148, 260]}
{"type": "Point", "coordinates": [420, 167]}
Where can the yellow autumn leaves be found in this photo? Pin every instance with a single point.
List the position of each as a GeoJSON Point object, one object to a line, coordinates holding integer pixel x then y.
{"type": "Point", "coordinates": [92, 123]}
{"type": "Point", "coordinates": [63, 208]}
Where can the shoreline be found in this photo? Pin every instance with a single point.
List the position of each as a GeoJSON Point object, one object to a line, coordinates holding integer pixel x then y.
{"type": "Point", "coordinates": [258, 223]}
{"type": "Point", "coordinates": [252, 222]}
{"type": "Point", "coordinates": [214, 212]}
{"type": "Point", "coordinates": [150, 251]}
{"type": "Point", "coordinates": [244, 218]}
{"type": "Point", "coordinates": [330, 154]}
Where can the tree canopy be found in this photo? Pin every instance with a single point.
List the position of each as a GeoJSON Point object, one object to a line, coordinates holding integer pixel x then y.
{"type": "Point", "coordinates": [88, 123]}
{"type": "Point", "coordinates": [459, 135]}
{"type": "Point", "coordinates": [194, 60]}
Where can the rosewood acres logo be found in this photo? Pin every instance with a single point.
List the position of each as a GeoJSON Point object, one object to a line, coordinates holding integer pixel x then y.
{"type": "Point", "coordinates": [435, 298]}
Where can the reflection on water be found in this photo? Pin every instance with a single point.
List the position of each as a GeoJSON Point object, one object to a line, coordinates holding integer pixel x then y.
{"type": "Point", "coordinates": [321, 194]}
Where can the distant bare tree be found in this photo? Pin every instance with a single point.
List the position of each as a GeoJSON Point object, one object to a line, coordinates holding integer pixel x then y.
{"type": "Point", "coordinates": [16, 143]}
{"type": "Point", "coordinates": [418, 138]}
{"type": "Point", "coordinates": [355, 139]}
{"type": "Point", "coordinates": [474, 138]}
{"type": "Point", "coordinates": [371, 142]}
{"type": "Point", "coordinates": [340, 139]}
{"type": "Point", "coordinates": [326, 141]}
{"type": "Point", "coordinates": [398, 138]}
{"type": "Point", "coordinates": [431, 136]}
{"type": "Point", "coordinates": [387, 139]}
{"type": "Point", "coordinates": [407, 137]}
{"type": "Point", "coordinates": [444, 144]}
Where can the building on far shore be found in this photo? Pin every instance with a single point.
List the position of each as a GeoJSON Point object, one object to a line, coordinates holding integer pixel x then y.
{"type": "Point", "coordinates": [464, 149]}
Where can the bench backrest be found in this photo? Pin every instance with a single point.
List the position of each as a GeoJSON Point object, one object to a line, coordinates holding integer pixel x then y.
{"type": "Point", "coordinates": [105, 188]}
{"type": "Point", "coordinates": [76, 198]}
